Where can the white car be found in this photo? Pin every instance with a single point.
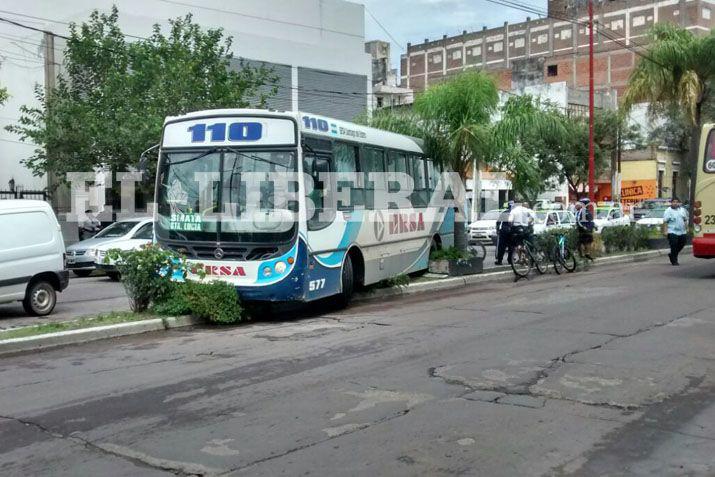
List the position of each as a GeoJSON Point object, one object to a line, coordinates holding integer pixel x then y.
{"type": "Point", "coordinates": [141, 234]}
{"type": "Point", "coordinates": [32, 256]}
{"type": "Point", "coordinates": [81, 263]}
{"type": "Point", "coordinates": [653, 218]}
{"type": "Point", "coordinates": [609, 215]}
{"type": "Point", "coordinates": [553, 219]}
{"type": "Point", "coordinates": [484, 229]}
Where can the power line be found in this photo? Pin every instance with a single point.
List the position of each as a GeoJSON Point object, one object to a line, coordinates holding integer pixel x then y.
{"type": "Point", "coordinates": [384, 29]}
{"type": "Point", "coordinates": [28, 27]}
{"type": "Point", "coordinates": [575, 21]}
{"type": "Point", "coordinates": [328, 73]}
{"type": "Point", "coordinates": [34, 17]}
{"type": "Point", "coordinates": [256, 17]}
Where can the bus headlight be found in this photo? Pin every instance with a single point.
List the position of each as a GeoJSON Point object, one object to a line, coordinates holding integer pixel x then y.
{"type": "Point", "coordinates": [710, 165]}
{"type": "Point", "coordinates": [267, 272]}
{"type": "Point", "coordinates": [280, 267]}
{"type": "Point", "coordinates": [697, 229]}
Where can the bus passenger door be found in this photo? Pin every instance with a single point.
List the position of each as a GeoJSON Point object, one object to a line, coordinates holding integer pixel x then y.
{"type": "Point", "coordinates": [323, 231]}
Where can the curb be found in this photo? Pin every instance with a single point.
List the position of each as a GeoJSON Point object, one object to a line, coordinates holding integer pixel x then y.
{"type": "Point", "coordinates": [50, 340]}
{"type": "Point", "coordinates": [62, 338]}
{"type": "Point", "coordinates": [492, 277]}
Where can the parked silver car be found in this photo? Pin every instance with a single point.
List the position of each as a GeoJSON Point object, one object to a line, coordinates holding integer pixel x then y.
{"type": "Point", "coordinates": [81, 263]}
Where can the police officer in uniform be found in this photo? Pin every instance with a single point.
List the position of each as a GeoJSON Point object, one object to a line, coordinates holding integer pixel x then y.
{"type": "Point", "coordinates": [503, 233]}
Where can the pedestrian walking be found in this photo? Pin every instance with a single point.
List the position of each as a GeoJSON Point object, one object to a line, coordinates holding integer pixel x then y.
{"type": "Point", "coordinates": [584, 226]}
{"type": "Point", "coordinates": [503, 233]}
{"type": "Point", "coordinates": [675, 224]}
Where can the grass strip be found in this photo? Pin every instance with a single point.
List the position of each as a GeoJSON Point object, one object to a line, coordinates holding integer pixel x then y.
{"type": "Point", "coordinates": [102, 319]}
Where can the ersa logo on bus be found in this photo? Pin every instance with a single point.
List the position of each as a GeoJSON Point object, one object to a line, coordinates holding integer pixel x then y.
{"type": "Point", "coordinates": [321, 125]}
{"type": "Point", "coordinates": [400, 223]}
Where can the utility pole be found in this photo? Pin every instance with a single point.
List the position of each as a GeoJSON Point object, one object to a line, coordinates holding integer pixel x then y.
{"type": "Point", "coordinates": [591, 151]}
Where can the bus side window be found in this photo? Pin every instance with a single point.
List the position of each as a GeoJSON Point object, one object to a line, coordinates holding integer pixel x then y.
{"type": "Point", "coordinates": [420, 196]}
{"type": "Point", "coordinates": [372, 160]}
{"type": "Point", "coordinates": [709, 163]}
{"type": "Point", "coordinates": [396, 163]}
{"type": "Point", "coordinates": [345, 160]}
{"type": "Point", "coordinates": [318, 167]}
{"type": "Point", "coordinates": [432, 175]}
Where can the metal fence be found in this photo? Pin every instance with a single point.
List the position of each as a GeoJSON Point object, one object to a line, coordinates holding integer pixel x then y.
{"type": "Point", "coordinates": [24, 194]}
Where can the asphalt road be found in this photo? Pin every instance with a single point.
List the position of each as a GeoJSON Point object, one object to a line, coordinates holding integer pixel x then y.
{"type": "Point", "coordinates": [84, 296]}
{"type": "Point", "coordinates": [604, 372]}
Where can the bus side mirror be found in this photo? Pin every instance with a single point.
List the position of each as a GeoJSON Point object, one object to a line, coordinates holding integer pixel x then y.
{"type": "Point", "coordinates": [143, 165]}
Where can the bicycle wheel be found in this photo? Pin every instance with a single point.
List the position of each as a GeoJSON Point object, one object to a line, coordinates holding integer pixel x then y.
{"type": "Point", "coordinates": [541, 260]}
{"type": "Point", "coordinates": [568, 259]}
{"type": "Point", "coordinates": [520, 261]}
{"type": "Point", "coordinates": [556, 256]}
{"type": "Point", "coordinates": [478, 249]}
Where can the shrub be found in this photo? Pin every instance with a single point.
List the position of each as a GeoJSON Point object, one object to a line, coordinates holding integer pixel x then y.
{"type": "Point", "coordinates": [214, 301]}
{"type": "Point", "coordinates": [175, 302]}
{"type": "Point", "coordinates": [451, 253]}
{"type": "Point", "coordinates": [623, 238]}
{"type": "Point", "coordinates": [597, 247]}
{"type": "Point", "coordinates": [146, 273]}
{"type": "Point", "coordinates": [547, 240]}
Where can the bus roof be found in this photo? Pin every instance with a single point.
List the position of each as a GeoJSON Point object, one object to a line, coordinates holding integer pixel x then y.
{"type": "Point", "coordinates": [317, 125]}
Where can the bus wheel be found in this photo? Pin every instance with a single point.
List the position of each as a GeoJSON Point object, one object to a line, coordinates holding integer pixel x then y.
{"type": "Point", "coordinates": [347, 282]}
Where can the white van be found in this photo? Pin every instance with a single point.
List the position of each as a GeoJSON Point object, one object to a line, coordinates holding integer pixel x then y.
{"type": "Point", "coordinates": [32, 255]}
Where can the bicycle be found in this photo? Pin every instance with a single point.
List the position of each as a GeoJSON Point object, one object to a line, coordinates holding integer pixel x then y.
{"type": "Point", "coordinates": [563, 257]}
{"type": "Point", "coordinates": [525, 255]}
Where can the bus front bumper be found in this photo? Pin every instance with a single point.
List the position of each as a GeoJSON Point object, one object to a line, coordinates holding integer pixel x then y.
{"type": "Point", "coordinates": [704, 247]}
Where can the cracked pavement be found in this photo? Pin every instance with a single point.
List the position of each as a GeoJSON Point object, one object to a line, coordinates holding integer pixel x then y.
{"type": "Point", "coordinates": [605, 372]}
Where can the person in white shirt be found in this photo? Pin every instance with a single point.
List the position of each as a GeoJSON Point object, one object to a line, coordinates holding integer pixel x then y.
{"type": "Point", "coordinates": [521, 219]}
{"type": "Point", "coordinates": [90, 226]}
{"type": "Point", "coordinates": [521, 216]}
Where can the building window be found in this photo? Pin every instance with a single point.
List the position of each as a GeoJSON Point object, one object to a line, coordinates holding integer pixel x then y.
{"type": "Point", "coordinates": [379, 101]}
{"type": "Point", "coordinates": [457, 55]}
{"type": "Point", "coordinates": [639, 21]}
{"type": "Point", "coordinates": [519, 43]}
{"type": "Point", "coordinates": [498, 47]}
{"type": "Point", "coordinates": [706, 13]}
{"type": "Point", "coordinates": [476, 51]}
{"type": "Point", "coordinates": [552, 70]}
{"type": "Point", "coordinates": [566, 34]}
{"type": "Point", "coordinates": [437, 59]}
{"type": "Point", "coordinates": [617, 25]}
{"type": "Point", "coordinates": [541, 39]}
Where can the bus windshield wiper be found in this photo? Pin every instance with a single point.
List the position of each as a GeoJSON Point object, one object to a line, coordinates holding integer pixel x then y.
{"type": "Point", "coordinates": [168, 160]}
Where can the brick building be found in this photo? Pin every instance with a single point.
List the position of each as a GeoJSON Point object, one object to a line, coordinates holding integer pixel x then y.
{"type": "Point", "coordinates": [555, 49]}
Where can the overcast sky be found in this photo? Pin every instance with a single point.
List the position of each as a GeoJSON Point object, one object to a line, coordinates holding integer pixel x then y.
{"type": "Point", "coordinates": [414, 20]}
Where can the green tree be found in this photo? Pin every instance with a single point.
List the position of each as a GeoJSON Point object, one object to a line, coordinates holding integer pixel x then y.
{"type": "Point", "coordinates": [111, 101]}
{"type": "Point", "coordinates": [453, 118]}
{"type": "Point", "coordinates": [678, 71]}
{"type": "Point", "coordinates": [3, 95]}
{"type": "Point", "coordinates": [524, 141]}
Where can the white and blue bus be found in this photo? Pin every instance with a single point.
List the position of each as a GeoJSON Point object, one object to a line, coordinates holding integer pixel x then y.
{"type": "Point", "coordinates": [310, 246]}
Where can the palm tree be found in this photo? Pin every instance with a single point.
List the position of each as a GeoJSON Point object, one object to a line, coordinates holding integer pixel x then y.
{"type": "Point", "coordinates": [678, 70]}
{"type": "Point", "coordinates": [453, 118]}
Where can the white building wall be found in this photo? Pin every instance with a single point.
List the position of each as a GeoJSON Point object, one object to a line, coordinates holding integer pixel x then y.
{"type": "Point", "coordinates": [327, 35]}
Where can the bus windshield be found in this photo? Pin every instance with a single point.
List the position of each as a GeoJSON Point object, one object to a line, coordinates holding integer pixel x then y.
{"type": "Point", "coordinates": [226, 195]}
